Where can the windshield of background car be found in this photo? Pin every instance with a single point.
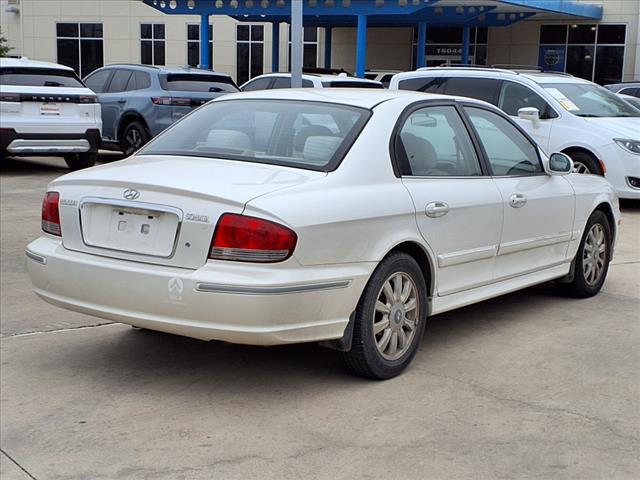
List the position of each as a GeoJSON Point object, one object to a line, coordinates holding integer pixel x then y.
{"type": "Point", "coordinates": [310, 135]}
{"type": "Point", "coordinates": [39, 77]}
{"type": "Point", "coordinates": [591, 101]}
{"type": "Point", "coordinates": [351, 84]}
{"type": "Point", "coordinates": [185, 82]}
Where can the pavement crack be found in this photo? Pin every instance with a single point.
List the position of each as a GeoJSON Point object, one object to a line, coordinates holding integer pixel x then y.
{"type": "Point", "coordinates": [598, 421]}
{"type": "Point", "coordinates": [17, 464]}
{"type": "Point", "coordinates": [55, 330]}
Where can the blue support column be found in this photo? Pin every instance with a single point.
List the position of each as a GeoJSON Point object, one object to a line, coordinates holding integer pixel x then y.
{"type": "Point", "coordinates": [327, 47]}
{"type": "Point", "coordinates": [204, 42]}
{"type": "Point", "coordinates": [361, 46]}
{"type": "Point", "coordinates": [465, 45]}
{"type": "Point", "coordinates": [422, 45]}
{"type": "Point", "coordinates": [275, 47]}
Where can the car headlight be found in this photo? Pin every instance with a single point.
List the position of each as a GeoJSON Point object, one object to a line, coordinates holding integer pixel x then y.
{"type": "Point", "coordinates": [632, 146]}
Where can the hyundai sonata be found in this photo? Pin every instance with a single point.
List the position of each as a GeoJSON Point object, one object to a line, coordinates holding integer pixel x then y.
{"type": "Point", "coordinates": [342, 217]}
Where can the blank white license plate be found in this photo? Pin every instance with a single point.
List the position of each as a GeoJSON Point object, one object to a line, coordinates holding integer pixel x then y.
{"type": "Point", "coordinates": [146, 232]}
{"type": "Point", "coordinates": [50, 109]}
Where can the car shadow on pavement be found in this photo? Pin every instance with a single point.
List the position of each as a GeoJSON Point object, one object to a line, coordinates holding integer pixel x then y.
{"type": "Point", "coordinates": [28, 166]}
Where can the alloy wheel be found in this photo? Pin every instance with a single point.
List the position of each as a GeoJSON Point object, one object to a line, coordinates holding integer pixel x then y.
{"type": "Point", "coordinates": [594, 255]}
{"type": "Point", "coordinates": [579, 167]}
{"type": "Point", "coordinates": [395, 318]}
{"type": "Point", "coordinates": [133, 141]}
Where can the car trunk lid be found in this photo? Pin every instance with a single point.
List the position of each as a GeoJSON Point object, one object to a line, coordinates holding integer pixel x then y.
{"type": "Point", "coordinates": [161, 210]}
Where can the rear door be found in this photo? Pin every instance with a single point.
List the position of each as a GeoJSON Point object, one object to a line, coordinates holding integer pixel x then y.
{"type": "Point", "coordinates": [114, 102]}
{"type": "Point", "coordinates": [458, 206]}
{"type": "Point", "coordinates": [538, 209]}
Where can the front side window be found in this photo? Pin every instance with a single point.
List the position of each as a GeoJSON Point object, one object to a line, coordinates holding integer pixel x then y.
{"type": "Point", "coordinates": [480, 88]}
{"type": "Point", "coordinates": [514, 96]}
{"type": "Point", "coordinates": [258, 84]}
{"type": "Point", "coordinates": [80, 46]}
{"type": "Point", "coordinates": [433, 141]}
{"type": "Point", "coordinates": [309, 135]}
{"type": "Point", "coordinates": [98, 81]}
{"type": "Point", "coordinates": [152, 43]}
{"type": "Point", "coordinates": [508, 151]}
{"type": "Point", "coordinates": [589, 100]}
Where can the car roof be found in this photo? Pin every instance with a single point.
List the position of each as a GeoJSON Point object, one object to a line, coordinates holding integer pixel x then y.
{"type": "Point", "coordinates": [321, 76]}
{"type": "Point", "coordinates": [25, 62]}
{"type": "Point", "coordinates": [356, 97]}
{"type": "Point", "coordinates": [537, 77]}
{"type": "Point", "coordinates": [153, 68]}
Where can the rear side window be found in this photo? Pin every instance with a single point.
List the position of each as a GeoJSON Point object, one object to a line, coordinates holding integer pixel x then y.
{"type": "Point", "coordinates": [428, 85]}
{"type": "Point", "coordinates": [98, 81]}
{"type": "Point", "coordinates": [481, 88]}
{"type": "Point", "coordinates": [309, 135]}
{"type": "Point", "coordinates": [285, 82]}
{"type": "Point", "coordinates": [508, 151]}
{"type": "Point", "coordinates": [142, 80]}
{"type": "Point", "coordinates": [186, 82]}
{"type": "Point", "coordinates": [434, 142]}
{"type": "Point", "coordinates": [634, 92]}
{"type": "Point", "coordinates": [119, 81]}
{"type": "Point", "coordinates": [514, 96]}
{"type": "Point", "coordinates": [39, 77]}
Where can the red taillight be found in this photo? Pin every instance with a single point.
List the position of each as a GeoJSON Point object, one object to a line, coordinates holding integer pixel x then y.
{"type": "Point", "coordinates": [249, 239]}
{"type": "Point", "coordinates": [88, 99]}
{"type": "Point", "coordinates": [9, 97]}
{"type": "Point", "coordinates": [51, 214]}
{"type": "Point", "coordinates": [173, 101]}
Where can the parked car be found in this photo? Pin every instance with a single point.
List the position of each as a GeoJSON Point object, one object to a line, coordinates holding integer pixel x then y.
{"type": "Point", "coordinates": [309, 80]}
{"type": "Point", "coordinates": [635, 101]}
{"type": "Point", "coordinates": [625, 88]}
{"type": "Point", "coordinates": [251, 222]}
{"type": "Point", "coordinates": [140, 101]}
{"type": "Point", "coordinates": [562, 113]}
{"type": "Point", "coordinates": [382, 76]}
{"type": "Point", "coordinates": [46, 110]}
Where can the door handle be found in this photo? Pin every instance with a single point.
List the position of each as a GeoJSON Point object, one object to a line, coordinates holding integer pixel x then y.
{"type": "Point", "coordinates": [436, 209]}
{"type": "Point", "coordinates": [517, 200]}
{"type": "Point", "coordinates": [122, 100]}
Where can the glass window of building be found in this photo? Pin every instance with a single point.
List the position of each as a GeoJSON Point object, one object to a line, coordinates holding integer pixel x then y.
{"type": "Point", "coordinates": [193, 45]}
{"type": "Point", "coordinates": [249, 52]}
{"type": "Point", "coordinates": [80, 46]}
{"type": "Point", "coordinates": [444, 46]}
{"type": "Point", "coordinates": [589, 51]}
{"type": "Point", "coordinates": [152, 43]}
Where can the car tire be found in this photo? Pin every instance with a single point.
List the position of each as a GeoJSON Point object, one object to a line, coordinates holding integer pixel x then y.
{"type": "Point", "coordinates": [81, 160]}
{"type": "Point", "coordinates": [591, 262]}
{"type": "Point", "coordinates": [372, 352]}
{"type": "Point", "coordinates": [134, 137]}
{"type": "Point", "coordinates": [585, 164]}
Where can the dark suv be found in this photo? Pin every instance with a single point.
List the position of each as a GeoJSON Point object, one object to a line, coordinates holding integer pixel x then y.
{"type": "Point", "coordinates": [140, 101]}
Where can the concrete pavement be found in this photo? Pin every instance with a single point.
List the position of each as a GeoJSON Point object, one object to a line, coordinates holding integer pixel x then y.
{"type": "Point", "coordinates": [530, 385]}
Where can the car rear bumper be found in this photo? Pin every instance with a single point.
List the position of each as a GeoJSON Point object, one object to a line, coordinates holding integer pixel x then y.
{"type": "Point", "coordinates": [234, 302]}
{"type": "Point", "coordinates": [18, 143]}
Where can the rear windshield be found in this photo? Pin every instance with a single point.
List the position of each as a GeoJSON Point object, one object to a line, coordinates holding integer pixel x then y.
{"type": "Point", "coordinates": [39, 77]}
{"type": "Point", "coordinates": [352, 84]}
{"type": "Point", "coordinates": [186, 82]}
{"type": "Point", "coordinates": [310, 135]}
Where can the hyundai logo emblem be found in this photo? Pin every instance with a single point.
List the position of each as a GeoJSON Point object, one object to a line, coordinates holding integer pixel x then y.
{"type": "Point", "coordinates": [131, 194]}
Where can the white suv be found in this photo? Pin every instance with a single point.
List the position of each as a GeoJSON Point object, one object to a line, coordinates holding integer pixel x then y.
{"type": "Point", "coordinates": [598, 130]}
{"type": "Point", "coordinates": [45, 109]}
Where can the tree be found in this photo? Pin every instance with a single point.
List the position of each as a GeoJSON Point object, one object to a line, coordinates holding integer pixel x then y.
{"type": "Point", "coordinates": [4, 48]}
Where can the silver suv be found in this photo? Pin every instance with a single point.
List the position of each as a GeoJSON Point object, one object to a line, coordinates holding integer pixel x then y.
{"type": "Point", "coordinates": [140, 101]}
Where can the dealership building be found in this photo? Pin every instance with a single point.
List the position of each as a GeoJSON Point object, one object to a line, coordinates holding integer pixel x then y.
{"type": "Point", "coordinates": [593, 39]}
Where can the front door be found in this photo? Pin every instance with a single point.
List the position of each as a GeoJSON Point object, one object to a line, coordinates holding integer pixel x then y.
{"type": "Point", "coordinates": [458, 207]}
{"type": "Point", "coordinates": [538, 208]}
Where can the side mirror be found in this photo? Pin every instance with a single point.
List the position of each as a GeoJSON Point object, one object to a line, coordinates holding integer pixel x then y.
{"type": "Point", "coordinates": [530, 113]}
{"type": "Point", "coordinates": [560, 164]}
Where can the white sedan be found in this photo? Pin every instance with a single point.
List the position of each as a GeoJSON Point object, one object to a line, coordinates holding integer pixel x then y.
{"type": "Point", "coordinates": [343, 217]}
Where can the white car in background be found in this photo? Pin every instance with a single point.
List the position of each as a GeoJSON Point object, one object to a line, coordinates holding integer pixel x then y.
{"type": "Point", "coordinates": [244, 222]}
{"type": "Point", "coordinates": [562, 113]}
{"type": "Point", "coordinates": [382, 76]}
{"type": "Point", "coordinates": [45, 109]}
{"type": "Point", "coordinates": [270, 81]}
